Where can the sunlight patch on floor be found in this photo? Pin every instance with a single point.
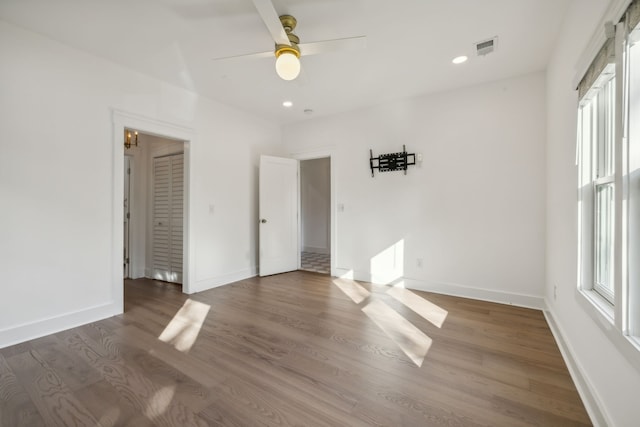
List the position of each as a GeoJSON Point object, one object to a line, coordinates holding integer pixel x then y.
{"type": "Point", "coordinates": [159, 402]}
{"type": "Point", "coordinates": [413, 342]}
{"type": "Point", "coordinates": [419, 305]}
{"type": "Point", "coordinates": [110, 417]}
{"type": "Point", "coordinates": [185, 326]}
{"type": "Point", "coordinates": [352, 289]}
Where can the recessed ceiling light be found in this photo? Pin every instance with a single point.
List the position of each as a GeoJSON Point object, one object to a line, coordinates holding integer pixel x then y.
{"type": "Point", "coordinates": [459, 59]}
{"type": "Point", "coordinates": [287, 104]}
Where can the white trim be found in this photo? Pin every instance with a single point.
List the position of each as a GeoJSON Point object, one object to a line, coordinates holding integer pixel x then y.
{"type": "Point", "coordinates": [51, 325]}
{"type": "Point", "coordinates": [613, 14]}
{"type": "Point", "coordinates": [501, 297]}
{"type": "Point", "coordinates": [600, 303]}
{"type": "Point", "coordinates": [320, 153]}
{"type": "Point", "coordinates": [588, 393]}
{"type": "Point", "coordinates": [148, 125]}
{"type": "Point", "coordinates": [627, 346]}
{"type": "Point", "coordinates": [299, 216]}
{"type": "Point", "coordinates": [225, 279]}
{"type": "Point", "coordinates": [131, 159]}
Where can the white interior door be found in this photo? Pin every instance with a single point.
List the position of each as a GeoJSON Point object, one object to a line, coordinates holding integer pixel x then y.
{"type": "Point", "coordinates": [168, 202]}
{"type": "Point", "coordinates": [278, 215]}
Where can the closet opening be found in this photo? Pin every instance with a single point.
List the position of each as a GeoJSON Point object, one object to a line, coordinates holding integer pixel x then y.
{"type": "Point", "coordinates": [154, 208]}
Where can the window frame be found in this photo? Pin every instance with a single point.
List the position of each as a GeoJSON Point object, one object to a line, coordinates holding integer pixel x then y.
{"type": "Point", "coordinates": [596, 169]}
{"type": "Point", "coordinates": [603, 176]}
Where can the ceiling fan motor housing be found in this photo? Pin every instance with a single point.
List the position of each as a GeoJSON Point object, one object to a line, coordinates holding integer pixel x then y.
{"type": "Point", "coordinates": [289, 24]}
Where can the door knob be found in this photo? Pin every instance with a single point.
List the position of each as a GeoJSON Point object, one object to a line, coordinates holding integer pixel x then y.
{"type": "Point", "coordinates": [264, 221]}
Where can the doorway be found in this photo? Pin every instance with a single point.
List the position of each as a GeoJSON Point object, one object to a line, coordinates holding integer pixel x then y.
{"type": "Point", "coordinates": [121, 121]}
{"type": "Point", "coordinates": [315, 215]}
{"type": "Point", "coordinates": [282, 241]}
{"type": "Point", "coordinates": [154, 196]}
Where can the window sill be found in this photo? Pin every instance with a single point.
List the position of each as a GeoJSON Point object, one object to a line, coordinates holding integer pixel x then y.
{"type": "Point", "coordinates": [602, 312]}
{"type": "Point", "coordinates": [603, 307]}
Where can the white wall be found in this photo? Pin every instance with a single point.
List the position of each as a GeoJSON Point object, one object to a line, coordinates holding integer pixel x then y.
{"type": "Point", "coordinates": [611, 391]}
{"type": "Point", "coordinates": [56, 177]}
{"type": "Point", "coordinates": [472, 212]}
{"type": "Point", "coordinates": [315, 204]}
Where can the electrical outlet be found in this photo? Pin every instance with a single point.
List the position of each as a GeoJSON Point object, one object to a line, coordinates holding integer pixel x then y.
{"type": "Point", "coordinates": [555, 291]}
{"type": "Point", "coordinates": [419, 262]}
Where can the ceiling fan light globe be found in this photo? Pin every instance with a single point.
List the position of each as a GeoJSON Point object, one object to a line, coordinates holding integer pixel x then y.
{"type": "Point", "coordinates": [287, 66]}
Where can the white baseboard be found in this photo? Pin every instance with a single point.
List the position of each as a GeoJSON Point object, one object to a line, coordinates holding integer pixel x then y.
{"type": "Point", "coordinates": [138, 274]}
{"type": "Point", "coordinates": [590, 399]}
{"type": "Point", "coordinates": [42, 327]}
{"type": "Point", "coordinates": [520, 300]}
{"type": "Point", "coordinates": [315, 250]}
{"type": "Point", "coordinates": [225, 279]}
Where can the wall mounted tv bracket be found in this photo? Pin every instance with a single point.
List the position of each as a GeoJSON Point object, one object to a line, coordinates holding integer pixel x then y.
{"type": "Point", "coordinates": [391, 161]}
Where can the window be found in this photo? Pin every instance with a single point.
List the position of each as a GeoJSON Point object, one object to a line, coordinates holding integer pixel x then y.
{"type": "Point", "coordinates": [608, 158]}
{"type": "Point", "coordinates": [597, 138]}
{"type": "Point", "coordinates": [603, 184]}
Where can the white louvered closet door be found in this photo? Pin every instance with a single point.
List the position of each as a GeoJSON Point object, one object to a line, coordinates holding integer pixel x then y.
{"type": "Point", "coordinates": [168, 196]}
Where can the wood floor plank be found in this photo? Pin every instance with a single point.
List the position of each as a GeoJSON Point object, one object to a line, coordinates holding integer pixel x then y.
{"type": "Point", "coordinates": [154, 402]}
{"type": "Point", "coordinates": [73, 371]}
{"type": "Point", "coordinates": [268, 405]}
{"type": "Point", "coordinates": [16, 407]}
{"type": "Point", "coordinates": [12, 350]}
{"type": "Point", "coordinates": [296, 349]}
{"type": "Point", "coordinates": [111, 409]}
{"type": "Point", "coordinates": [57, 405]}
{"type": "Point", "coordinates": [189, 392]}
{"type": "Point", "coordinates": [296, 383]}
{"type": "Point", "coordinates": [188, 365]}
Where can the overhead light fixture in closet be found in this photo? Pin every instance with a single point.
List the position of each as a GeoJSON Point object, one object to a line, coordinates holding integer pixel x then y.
{"type": "Point", "coordinates": [130, 140]}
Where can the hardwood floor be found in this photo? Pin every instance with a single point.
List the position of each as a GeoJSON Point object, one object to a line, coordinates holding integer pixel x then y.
{"type": "Point", "coordinates": [293, 349]}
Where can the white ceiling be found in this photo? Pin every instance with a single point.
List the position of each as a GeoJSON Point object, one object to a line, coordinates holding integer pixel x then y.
{"type": "Point", "coordinates": [410, 45]}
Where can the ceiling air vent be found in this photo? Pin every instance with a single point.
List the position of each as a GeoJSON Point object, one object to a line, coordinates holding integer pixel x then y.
{"type": "Point", "coordinates": [486, 47]}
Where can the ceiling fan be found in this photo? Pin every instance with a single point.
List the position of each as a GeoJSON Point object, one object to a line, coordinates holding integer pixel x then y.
{"type": "Point", "coordinates": [288, 48]}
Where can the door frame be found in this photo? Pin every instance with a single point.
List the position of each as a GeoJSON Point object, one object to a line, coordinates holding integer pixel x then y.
{"type": "Point", "coordinates": [121, 120]}
{"type": "Point", "coordinates": [130, 159]}
{"type": "Point", "coordinates": [321, 154]}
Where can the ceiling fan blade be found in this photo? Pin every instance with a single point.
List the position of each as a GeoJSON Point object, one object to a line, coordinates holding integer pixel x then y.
{"type": "Point", "coordinates": [271, 19]}
{"type": "Point", "coordinates": [336, 45]}
{"type": "Point", "coordinates": [268, 54]}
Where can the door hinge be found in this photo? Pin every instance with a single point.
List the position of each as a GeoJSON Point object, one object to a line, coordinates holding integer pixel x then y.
{"type": "Point", "coordinates": [128, 171]}
{"type": "Point", "coordinates": [128, 215]}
